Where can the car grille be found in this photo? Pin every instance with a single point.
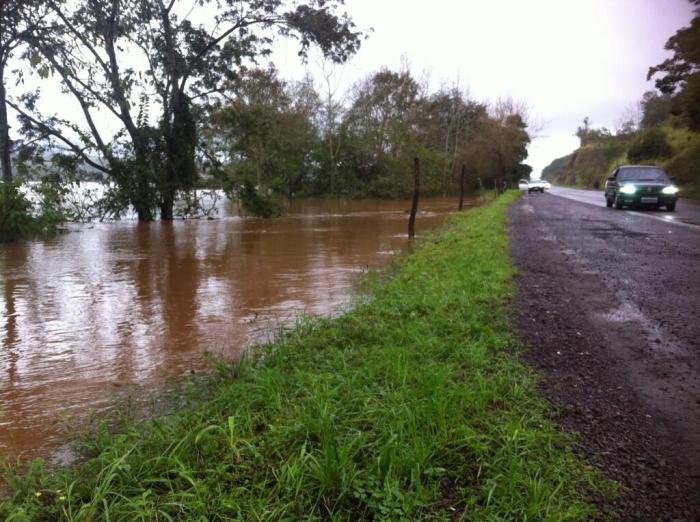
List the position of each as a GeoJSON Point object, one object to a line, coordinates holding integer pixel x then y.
{"type": "Point", "coordinates": [649, 191]}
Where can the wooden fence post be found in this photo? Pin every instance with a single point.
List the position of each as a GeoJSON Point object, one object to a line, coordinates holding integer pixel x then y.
{"type": "Point", "coordinates": [414, 205]}
{"type": "Point", "coordinates": [461, 188]}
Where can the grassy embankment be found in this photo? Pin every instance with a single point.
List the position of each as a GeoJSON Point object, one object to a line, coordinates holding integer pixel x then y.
{"type": "Point", "coordinates": [592, 163]}
{"type": "Point", "coordinates": [411, 406]}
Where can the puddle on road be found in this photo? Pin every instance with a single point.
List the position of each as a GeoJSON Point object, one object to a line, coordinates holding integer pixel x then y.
{"type": "Point", "coordinates": [614, 231]}
{"type": "Point", "coordinates": [657, 338]}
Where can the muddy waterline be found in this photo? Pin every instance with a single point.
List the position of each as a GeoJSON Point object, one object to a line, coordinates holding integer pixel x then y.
{"type": "Point", "coordinates": [110, 307]}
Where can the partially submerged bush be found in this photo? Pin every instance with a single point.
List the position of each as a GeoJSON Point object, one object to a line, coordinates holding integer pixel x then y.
{"type": "Point", "coordinates": [20, 217]}
{"type": "Point", "coordinates": [257, 202]}
{"type": "Point", "coordinates": [16, 220]}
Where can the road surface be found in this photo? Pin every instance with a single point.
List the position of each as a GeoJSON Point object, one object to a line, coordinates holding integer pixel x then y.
{"type": "Point", "coordinates": [609, 306]}
{"type": "Point", "coordinates": [687, 212]}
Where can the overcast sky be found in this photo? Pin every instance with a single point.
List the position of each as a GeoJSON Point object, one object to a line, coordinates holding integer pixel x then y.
{"type": "Point", "coordinates": [567, 59]}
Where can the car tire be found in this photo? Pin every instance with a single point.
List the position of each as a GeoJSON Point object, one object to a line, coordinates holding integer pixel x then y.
{"type": "Point", "coordinates": [671, 207]}
{"type": "Point", "coordinates": [608, 202]}
{"type": "Point", "coordinates": [618, 202]}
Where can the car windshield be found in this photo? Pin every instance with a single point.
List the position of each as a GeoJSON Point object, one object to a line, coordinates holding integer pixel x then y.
{"type": "Point", "coordinates": [642, 174]}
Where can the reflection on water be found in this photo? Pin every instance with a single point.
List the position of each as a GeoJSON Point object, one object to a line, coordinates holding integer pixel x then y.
{"type": "Point", "coordinates": [114, 305]}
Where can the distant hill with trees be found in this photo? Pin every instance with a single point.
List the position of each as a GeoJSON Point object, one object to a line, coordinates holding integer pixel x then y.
{"type": "Point", "coordinates": [665, 130]}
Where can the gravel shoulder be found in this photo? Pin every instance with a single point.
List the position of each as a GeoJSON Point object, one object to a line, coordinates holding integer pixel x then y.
{"type": "Point", "coordinates": [608, 305]}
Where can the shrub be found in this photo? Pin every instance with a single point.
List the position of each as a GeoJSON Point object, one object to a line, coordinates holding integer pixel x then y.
{"type": "Point", "coordinates": [18, 216]}
{"type": "Point", "coordinates": [684, 166]}
{"type": "Point", "coordinates": [16, 220]}
{"type": "Point", "coordinates": [651, 143]}
{"type": "Point", "coordinates": [257, 202]}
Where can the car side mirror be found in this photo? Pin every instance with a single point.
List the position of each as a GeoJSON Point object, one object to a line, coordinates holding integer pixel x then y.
{"type": "Point", "coordinates": [611, 178]}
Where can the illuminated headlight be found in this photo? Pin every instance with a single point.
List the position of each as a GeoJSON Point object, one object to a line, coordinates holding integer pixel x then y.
{"type": "Point", "coordinates": [628, 189]}
{"type": "Point", "coordinates": [670, 190]}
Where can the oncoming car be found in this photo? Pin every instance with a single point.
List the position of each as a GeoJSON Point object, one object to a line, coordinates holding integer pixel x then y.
{"type": "Point", "coordinates": [536, 185]}
{"type": "Point", "coordinates": [639, 185]}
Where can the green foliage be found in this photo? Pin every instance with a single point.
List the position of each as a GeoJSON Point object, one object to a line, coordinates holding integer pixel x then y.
{"type": "Point", "coordinates": [412, 406]}
{"type": "Point", "coordinates": [180, 55]}
{"type": "Point", "coordinates": [267, 133]}
{"type": "Point", "coordinates": [257, 202]}
{"type": "Point", "coordinates": [680, 74]}
{"type": "Point", "coordinates": [18, 217]}
{"type": "Point", "coordinates": [656, 109]}
{"type": "Point", "coordinates": [16, 220]}
{"type": "Point", "coordinates": [687, 102]}
{"type": "Point", "coordinates": [589, 165]}
{"type": "Point", "coordinates": [685, 61]}
{"type": "Point", "coordinates": [684, 165]}
{"type": "Point", "coordinates": [649, 144]}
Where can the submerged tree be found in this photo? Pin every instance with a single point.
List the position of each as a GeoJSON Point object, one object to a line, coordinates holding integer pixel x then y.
{"type": "Point", "coordinates": [162, 61]}
{"type": "Point", "coordinates": [266, 134]}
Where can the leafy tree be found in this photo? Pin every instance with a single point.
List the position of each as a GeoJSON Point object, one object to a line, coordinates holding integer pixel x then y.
{"type": "Point", "coordinates": [381, 131]}
{"type": "Point", "coordinates": [186, 63]}
{"type": "Point", "coordinates": [449, 118]}
{"type": "Point", "coordinates": [650, 144]}
{"type": "Point", "coordinates": [500, 143]}
{"type": "Point", "coordinates": [267, 135]}
{"type": "Point", "coordinates": [655, 109]}
{"type": "Point", "coordinates": [680, 74]}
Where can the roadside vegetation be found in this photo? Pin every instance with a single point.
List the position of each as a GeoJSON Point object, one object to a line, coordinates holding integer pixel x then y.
{"type": "Point", "coordinates": [411, 406]}
{"type": "Point", "coordinates": [663, 128]}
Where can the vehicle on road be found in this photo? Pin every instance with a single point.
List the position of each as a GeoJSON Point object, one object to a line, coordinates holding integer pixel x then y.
{"type": "Point", "coordinates": [640, 185]}
{"type": "Point", "coordinates": [536, 185]}
{"type": "Point", "coordinates": [523, 184]}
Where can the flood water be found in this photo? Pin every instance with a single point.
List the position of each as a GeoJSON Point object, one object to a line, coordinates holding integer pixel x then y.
{"type": "Point", "coordinates": [127, 305]}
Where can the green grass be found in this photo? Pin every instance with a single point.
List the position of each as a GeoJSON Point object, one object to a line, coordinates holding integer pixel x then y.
{"type": "Point", "coordinates": [412, 406]}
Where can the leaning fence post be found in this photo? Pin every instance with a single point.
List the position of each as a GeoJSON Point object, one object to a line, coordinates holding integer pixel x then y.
{"type": "Point", "coordinates": [414, 205]}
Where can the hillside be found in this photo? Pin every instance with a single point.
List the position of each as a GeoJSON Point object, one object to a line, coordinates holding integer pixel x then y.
{"type": "Point", "coordinates": [671, 145]}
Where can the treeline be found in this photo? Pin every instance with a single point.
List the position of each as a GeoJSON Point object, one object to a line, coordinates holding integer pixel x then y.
{"type": "Point", "coordinates": [167, 98]}
{"type": "Point", "coordinates": [141, 76]}
{"type": "Point", "coordinates": [287, 139]}
{"type": "Point", "coordinates": [663, 128]}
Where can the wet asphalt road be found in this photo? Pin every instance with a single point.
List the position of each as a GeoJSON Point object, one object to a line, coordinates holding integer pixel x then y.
{"type": "Point", "coordinates": [609, 305]}
{"type": "Point", "coordinates": [687, 212]}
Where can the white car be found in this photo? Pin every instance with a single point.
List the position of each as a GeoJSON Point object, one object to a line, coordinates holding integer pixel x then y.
{"type": "Point", "coordinates": [536, 185]}
{"type": "Point", "coordinates": [523, 184]}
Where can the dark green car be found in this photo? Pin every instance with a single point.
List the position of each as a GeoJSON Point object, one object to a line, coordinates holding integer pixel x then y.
{"type": "Point", "coordinates": [640, 186]}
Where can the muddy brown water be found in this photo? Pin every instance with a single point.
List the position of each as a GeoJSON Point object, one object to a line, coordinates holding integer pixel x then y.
{"type": "Point", "coordinates": [121, 306]}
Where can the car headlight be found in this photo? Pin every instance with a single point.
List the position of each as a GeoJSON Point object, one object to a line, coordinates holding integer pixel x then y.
{"type": "Point", "coordinates": [628, 189]}
{"type": "Point", "coordinates": [671, 189]}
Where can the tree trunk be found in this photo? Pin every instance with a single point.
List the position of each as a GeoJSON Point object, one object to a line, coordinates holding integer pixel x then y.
{"type": "Point", "coordinates": [5, 145]}
{"type": "Point", "coordinates": [166, 207]}
{"type": "Point", "coordinates": [461, 188]}
{"type": "Point", "coordinates": [416, 193]}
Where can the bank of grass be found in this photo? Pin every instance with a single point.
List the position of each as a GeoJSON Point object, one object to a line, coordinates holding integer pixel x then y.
{"type": "Point", "coordinates": [412, 406]}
